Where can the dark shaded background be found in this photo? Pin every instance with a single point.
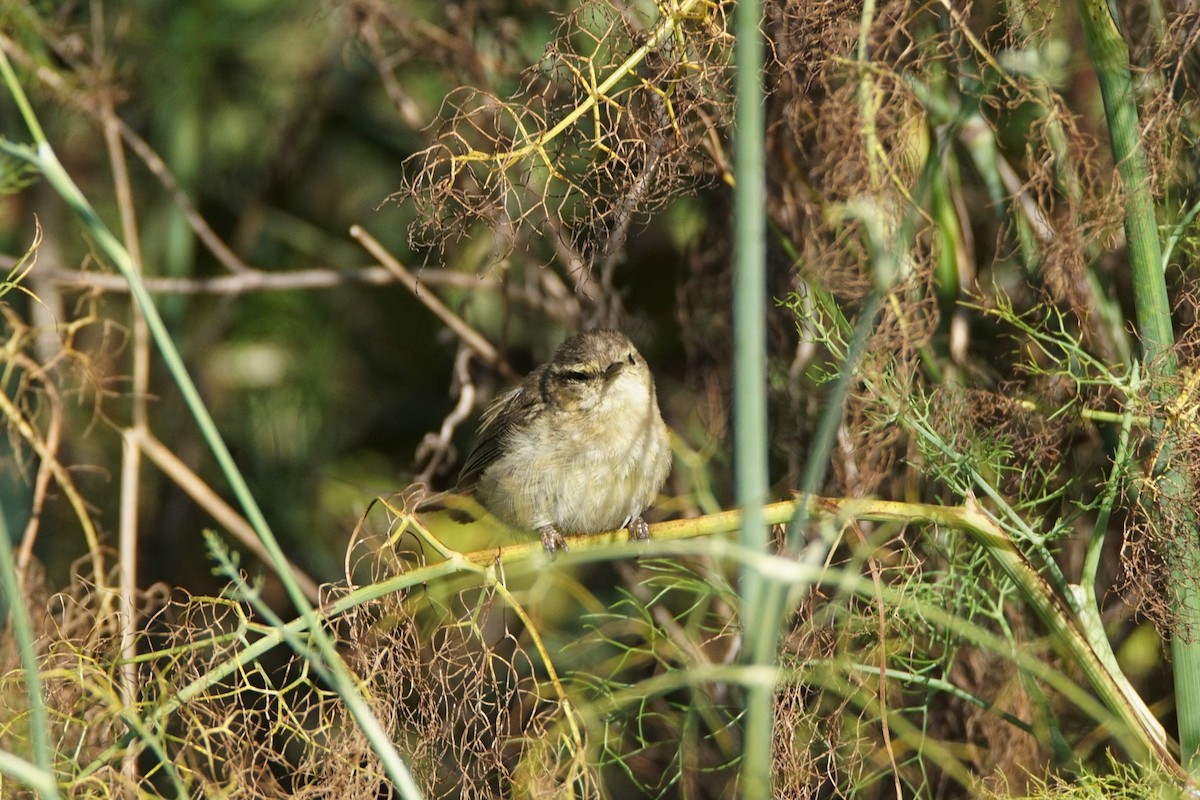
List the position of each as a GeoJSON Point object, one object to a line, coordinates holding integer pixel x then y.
{"type": "Point", "coordinates": [272, 118]}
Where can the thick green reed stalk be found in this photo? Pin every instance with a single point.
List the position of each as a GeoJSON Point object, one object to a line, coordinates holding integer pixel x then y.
{"type": "Point", "coordinates": [750, 385]}
{"type": "Point", "coordinates": [1110, 58]}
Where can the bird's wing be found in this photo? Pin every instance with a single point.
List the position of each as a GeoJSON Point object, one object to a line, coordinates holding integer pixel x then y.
{"type": "Point", "coordinates": [515, 404]}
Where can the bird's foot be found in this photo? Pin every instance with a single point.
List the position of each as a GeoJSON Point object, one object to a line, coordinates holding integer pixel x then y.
{"type": "Point", "coordinates": [639, 531]}
{"type": "Point", "coordinates": [552, 540]}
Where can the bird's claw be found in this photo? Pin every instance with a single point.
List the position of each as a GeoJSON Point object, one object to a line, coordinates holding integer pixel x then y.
{"type": "Point", "coordinates": [639, 531]}
{"type": "Point", "coordinates": [552, 540]}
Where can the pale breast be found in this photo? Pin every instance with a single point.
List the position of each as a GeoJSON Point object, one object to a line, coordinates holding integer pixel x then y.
{"type": "Point", "coordinates": [605, 467]}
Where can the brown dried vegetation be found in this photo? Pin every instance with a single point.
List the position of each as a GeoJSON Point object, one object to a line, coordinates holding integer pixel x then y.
{"type": "Point", "coordinates": [957, 135]}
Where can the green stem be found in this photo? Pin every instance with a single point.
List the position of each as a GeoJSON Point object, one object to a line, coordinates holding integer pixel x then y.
{"type": "Point", "coordinates": [1175, 517]}
{"type": "Point", "coordinates": [41, 778]}
{"type": "Point", "coordinates": [749, 383]}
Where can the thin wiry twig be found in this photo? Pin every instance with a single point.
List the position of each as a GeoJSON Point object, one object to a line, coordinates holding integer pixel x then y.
{"type": "Point", "coordinates": [41, 482]}
{"type": "Point", "coordinates": [436, 449]}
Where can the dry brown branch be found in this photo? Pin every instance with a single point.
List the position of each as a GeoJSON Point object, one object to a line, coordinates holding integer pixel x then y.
{"type": "Point", "coordinates": [210, 501]}
{"type": "Point", "coordinates": [79, 646]}
{"type": "Point", "coordinates": [479, 345]}
{"type": "Point", "coordinates": [131, 457]}
{"type": "Point", "coordinates": [254, 280]}
{"type": "Point", "coordinates": [41, 483]}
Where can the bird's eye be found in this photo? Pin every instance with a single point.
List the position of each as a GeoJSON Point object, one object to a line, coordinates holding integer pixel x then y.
{"type": "Point", "coordinates": [630, 358]}
{"type": "Point", "coordinates": [574, 375]}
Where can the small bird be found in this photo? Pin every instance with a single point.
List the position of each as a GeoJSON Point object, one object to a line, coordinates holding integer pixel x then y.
{"type": "Point", "coordinates": [579, 447]}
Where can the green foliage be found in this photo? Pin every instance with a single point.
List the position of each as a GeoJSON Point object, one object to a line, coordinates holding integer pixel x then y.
{"type": "Point", "coordinates": [1005, 478]}
{"type": "Point", "coordinates": [15, 174]}
{"type": "Point", "coordinates": [1118, 782]}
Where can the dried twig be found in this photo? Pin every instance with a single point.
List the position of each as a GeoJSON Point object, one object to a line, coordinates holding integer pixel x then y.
{"type": "Point", "coordinates": [254, 280]}
{"type": "Point", "coordinates": [470, 337]}
{"type": "Point", "coordinates": [210, 501]}
{"type": "Point", "coordinates": [437, 448]}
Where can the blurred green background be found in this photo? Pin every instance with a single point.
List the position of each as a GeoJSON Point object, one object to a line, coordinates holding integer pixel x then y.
{"type": "Point", "coordinates": [272, 118]}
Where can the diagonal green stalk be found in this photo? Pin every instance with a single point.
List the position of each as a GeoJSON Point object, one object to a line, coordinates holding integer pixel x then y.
{"type": "Point", "coordinates": [1110, 58]}
{"type": "Point", "coordinates": [43, 157]}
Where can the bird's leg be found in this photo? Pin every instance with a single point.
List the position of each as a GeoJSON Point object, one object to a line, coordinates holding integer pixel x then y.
{"type": "Point", "coordinates": [639, 531]}
{"type": "Point", "coordinates": [552, 540]}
